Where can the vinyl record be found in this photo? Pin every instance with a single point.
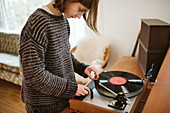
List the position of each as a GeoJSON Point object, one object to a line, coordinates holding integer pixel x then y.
{"type": "Point", "coordinates": [118, 81]}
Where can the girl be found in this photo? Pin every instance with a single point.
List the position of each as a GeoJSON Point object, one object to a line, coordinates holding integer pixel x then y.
{"type": "Point", "coordinates": [48, 65]}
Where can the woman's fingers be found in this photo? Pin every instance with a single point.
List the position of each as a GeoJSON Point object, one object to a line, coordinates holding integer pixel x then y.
{"type": "Point", "coordinates": [82, 90]}
{"type": "Point", "coordinates": [89, 70]}
{"type": "Point", "coordinates": [87, 89]}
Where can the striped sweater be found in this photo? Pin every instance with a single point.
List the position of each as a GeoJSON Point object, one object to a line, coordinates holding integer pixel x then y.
{"type": "Point", "coordinates": [47, 63]}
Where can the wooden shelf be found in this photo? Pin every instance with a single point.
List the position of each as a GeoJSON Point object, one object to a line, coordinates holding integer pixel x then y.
{"type": "Point", "coordinates": [158, 100]}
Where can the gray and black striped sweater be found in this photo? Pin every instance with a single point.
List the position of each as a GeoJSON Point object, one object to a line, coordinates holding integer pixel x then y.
{"type": "Point", "coordinates": [47, 63]}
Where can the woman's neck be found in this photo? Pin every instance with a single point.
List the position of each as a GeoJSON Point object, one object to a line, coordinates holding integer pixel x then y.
{"type": "Point", "coordinates": [55, 11]}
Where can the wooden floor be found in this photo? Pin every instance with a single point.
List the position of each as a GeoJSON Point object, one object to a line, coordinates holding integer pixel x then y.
{"type": "Point", "coordinates": [10, 101]}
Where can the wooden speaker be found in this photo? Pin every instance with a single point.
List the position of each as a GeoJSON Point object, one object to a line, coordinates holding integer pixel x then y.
{"type": "Point", "coordinates": [153, 44]}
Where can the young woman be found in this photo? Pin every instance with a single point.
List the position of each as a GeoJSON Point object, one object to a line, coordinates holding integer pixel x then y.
{"type": "Point", "coordinates": [48, 65]}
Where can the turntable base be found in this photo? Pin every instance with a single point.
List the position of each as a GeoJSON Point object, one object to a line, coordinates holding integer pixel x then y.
{"type": "Point", "coordinates": [102, 101]}
{"type": "Point", "coordinates": [127, 64]}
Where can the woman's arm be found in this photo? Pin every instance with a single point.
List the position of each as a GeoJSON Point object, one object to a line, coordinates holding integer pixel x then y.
{"type": "Point", "coordinates": [79, 67]}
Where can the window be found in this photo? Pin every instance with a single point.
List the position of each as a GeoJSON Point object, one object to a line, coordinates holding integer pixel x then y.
{"type": "Point", "coordinates": [14, 14]}
{"type": "Point", "coordinates": [2, 15]}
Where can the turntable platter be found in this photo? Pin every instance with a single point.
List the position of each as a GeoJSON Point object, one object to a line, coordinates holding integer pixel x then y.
{"type": "Point", "coordinates": [118, 81]}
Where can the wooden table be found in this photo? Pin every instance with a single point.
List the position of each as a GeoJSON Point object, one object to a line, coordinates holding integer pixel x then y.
{"type": "Point", "coordinates": [127, 64]}
{"type": "Point", "coordinates": [159, 100]}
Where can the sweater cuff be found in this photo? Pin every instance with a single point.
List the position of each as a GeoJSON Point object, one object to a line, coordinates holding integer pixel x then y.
{"type": "Point", "coordinates": [70, 90]}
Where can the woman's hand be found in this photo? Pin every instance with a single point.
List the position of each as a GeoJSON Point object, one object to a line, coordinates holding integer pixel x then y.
{"type": "Point", "coordinates": [88, 71]}
{"type": "Point", "coordinates": [82, 90]}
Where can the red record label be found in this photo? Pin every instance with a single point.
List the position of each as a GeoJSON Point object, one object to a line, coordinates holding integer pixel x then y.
{"type": "Point", "coordinates": [118, 80]}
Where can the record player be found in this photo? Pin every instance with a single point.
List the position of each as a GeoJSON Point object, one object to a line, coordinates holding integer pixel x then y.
{"type": "Point", "coordinates": [114, 91]}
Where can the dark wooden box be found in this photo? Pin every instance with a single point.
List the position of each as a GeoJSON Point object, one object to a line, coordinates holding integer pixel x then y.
{"type": "Point", "coordinates": [148, 57]}
{"type": "Point", "coordinates": [153, 43]}
{"type": "Point", "coordinates": [155, 34]}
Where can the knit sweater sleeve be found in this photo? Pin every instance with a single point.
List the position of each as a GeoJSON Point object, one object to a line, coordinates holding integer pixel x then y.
{"type": "Point", "coordinates": [33, 44]}
{"type": "Point", "coordinates": [79, 67]}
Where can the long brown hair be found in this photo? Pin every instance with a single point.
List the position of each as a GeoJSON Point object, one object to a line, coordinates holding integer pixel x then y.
{"type": "Point", "coordinates": [90, 18]}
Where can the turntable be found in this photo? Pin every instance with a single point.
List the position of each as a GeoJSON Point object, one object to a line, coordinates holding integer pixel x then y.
{"type": "Point", "coordinates": [113, 92]}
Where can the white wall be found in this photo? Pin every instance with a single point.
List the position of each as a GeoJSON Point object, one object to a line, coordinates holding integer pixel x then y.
{"type": "Point", "coordinates": [120, 21]}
